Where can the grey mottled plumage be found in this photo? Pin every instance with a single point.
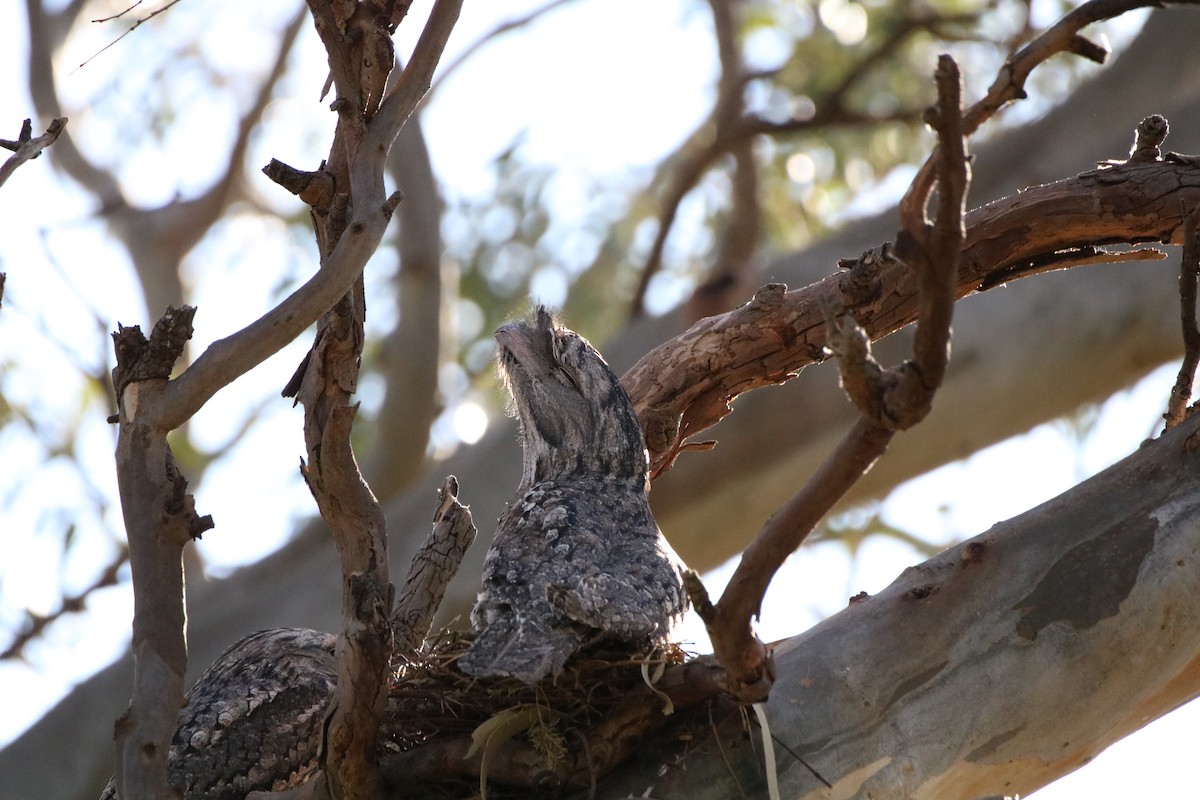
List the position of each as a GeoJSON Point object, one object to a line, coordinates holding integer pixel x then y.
{"type": "Point", "coordinates": [253, 720]}
{"type": "Point", "coordinates": [577, 555]}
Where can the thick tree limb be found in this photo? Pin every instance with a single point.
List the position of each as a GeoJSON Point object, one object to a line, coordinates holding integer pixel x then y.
{"type": "Point", "coordinates": [994, 668]}
{"type": "Point", "coordinates": [160, 518]}
{"type": "Point", "coordinates": [769, 340]}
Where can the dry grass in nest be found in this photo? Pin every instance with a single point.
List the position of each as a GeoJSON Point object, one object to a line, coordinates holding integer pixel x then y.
{"type": "Point", "coordinates": [447, 734]}
{"type": "Point", "coordinates": [431, 699]}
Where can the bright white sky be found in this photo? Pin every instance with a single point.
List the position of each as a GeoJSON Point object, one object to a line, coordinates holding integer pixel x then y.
{"type": "Point", "coordinates": [610, 101]}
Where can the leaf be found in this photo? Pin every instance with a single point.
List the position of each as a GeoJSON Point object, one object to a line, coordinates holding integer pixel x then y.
{"type": "Point", "coordinates": [497, 730]}
{"type": "Point", "coordinates": [659, 668]}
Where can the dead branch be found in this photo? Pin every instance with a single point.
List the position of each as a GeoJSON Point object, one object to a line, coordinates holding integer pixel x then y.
{"type": "Point", "coordinates": [1189, 272]}
{"type": "Point", "coordinates": [1062, 37]}
{"type": "Point", "coordinates": [369, 118]}
{"type": "Point", "coordinates": [434, 565]}
{"type": "Point", "coordinates": [26, 148]}
{"type": "Point", "coordinates": [770, 339]}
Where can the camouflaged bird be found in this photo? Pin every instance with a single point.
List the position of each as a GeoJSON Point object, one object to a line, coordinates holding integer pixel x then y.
{"type": "Point", "coordinates": [253, 720]}
{"type": "Point", "coordinates": [577, 555]}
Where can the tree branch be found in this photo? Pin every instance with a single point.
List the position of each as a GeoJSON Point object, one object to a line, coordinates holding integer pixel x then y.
{"type": "Point", "coordinates": [769, 340]}
{"type": "Point", "coordinates": [228, 358]}
{"type": "Point", "coordinates": [1062, 37]}
{"type": "Point", "coordinates": [26, 149]}
{"type": "Point", "coordinates": [432, 568]}
{"type": "Point", "coordinates": [1028, 649]}
{"type": "Point", "coordinates": [160, 518]}
{"type": "Point", "coordinates": [898, 399]}
{"type": "Point", "coordinates": [1189, 272]}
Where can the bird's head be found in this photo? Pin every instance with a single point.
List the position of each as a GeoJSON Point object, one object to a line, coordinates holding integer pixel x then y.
{"type": "Point", "coordinates": [575, 418]}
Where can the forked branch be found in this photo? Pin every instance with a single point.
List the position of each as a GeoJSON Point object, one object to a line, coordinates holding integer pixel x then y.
{"type": "Point", "coordinates": [891, 400]}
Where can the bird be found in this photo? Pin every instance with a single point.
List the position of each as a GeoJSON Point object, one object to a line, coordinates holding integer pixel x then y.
{"type": "Point", "coordinates": [577, 557]}
{"type": "Point", "coordinates": [253, 720]}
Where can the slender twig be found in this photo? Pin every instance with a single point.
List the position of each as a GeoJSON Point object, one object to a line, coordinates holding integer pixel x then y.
{"type": "Point", "coordinates": [119, 14]}
{"type": "Point", "coordinates": [1189, 271]}
{"type": "Point", "coordinates": [1062, 37]}
{"type": "Point", "coordinates": [132, 28]}
{"type": "Point", "coordinates": [70, 604]}
{"type": "Point", "coordinates": [508, 26]}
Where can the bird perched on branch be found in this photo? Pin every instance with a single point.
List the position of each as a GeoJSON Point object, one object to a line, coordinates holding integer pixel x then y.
{"type": "Point", "coordinates": [253, 720]}
{"type": "Point", "coordinates": [577, 555]}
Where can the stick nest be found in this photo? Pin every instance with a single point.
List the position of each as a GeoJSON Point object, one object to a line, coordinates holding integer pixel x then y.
{"type": "Point", "coordinates": [430, 701]}
{"type": "Point", "coordinates": [430, 698]}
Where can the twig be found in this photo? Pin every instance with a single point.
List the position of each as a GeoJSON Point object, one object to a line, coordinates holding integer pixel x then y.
{"type": "Point", "coordinates": [508, 26]}
{"type": "Point", "coordinates": [1189, 271]}
{"type": "Point", "coordinates": [26, 148]}
{"type": "Point", "coordinates": [132, 28]}
{"type": "Point", "coordinates": [1062, 37]}
{"type": "Point", "coordinates": [70, 604]}
{"type": "Point", "coordinates": [119, 14]}
{"type": "Point", "coordinates": [432, 568]}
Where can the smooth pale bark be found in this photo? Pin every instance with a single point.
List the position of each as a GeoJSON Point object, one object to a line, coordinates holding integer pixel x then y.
{"type": "Point", "coordinates": [1022, 355]}
{"type": "Point", "coordinates": [992, 669]}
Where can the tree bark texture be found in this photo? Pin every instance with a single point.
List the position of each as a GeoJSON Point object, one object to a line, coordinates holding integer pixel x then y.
{"type": "Point", "coordinates": [994, 668]}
